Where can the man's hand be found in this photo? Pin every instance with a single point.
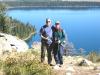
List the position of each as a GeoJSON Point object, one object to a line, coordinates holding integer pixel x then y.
{"type": "Point", "coordinates": [46, 38]}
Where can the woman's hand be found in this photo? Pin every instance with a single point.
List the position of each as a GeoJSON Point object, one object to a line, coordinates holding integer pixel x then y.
{"type": "Point", "coordinates": [59, 41]}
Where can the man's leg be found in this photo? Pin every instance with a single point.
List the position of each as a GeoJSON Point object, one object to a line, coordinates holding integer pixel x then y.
{"type": "Point", "coordinates": [49, 50]}
{"type": "Point", "coordinates": [42, 52]}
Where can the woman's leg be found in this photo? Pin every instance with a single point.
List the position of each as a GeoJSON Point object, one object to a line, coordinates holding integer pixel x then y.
{"type": "Point", "coordinates": [55, 51]}
{"type": "Point", "coordinates": [60, 55]}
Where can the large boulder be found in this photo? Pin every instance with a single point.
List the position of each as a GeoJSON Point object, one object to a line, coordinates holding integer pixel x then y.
{"type": "Point", "coordinates": [4, 45]}
{"type": "Point", "coordinates": [11, 43]}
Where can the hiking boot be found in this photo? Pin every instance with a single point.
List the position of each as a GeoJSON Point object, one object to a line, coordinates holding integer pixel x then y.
{"type": "Point", "coordinates": [56, 67]}
{"type": "Point", "coordinates": [51, 64]}
{"type": "Point", "coordinates": [60, 65]}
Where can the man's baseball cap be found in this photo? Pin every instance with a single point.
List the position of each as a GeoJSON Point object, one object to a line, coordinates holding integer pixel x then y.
{"type": "Point", "coordinates": [48, 20]}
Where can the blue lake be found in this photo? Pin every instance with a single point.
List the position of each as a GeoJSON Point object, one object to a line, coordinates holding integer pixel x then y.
{"type": "Point", "coordinates": [81, 26]}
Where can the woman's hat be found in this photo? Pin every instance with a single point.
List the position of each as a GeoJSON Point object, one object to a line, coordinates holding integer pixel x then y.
{"type": "Point", "coordinates": [57, 22]}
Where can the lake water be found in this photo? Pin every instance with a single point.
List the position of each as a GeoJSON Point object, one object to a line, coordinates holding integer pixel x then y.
{"type": "Point", "coordinates": [81, 26]}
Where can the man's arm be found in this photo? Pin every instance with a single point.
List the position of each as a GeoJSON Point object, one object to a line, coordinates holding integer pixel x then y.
{"type": "Point", "coordinates": [41, 34]}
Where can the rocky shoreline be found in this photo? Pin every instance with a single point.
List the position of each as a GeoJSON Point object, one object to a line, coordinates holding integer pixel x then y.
{"type": "Point", "coordinates": [29, 36]}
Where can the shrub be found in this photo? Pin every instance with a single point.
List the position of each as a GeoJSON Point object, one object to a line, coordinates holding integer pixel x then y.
{"type": "Point", "coordinates": [25, 64]}
{"type": "Point", "coordinates": [94, 57]}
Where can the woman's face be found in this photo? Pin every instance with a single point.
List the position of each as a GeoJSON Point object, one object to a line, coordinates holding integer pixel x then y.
{"type": "Point", "coordinates": [57, 26]}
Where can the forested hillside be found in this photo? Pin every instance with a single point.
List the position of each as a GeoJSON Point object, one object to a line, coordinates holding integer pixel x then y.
{"type": "Point", "coordinates": [13, 26]}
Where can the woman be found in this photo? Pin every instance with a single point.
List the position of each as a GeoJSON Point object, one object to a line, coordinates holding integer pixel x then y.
{"type": "Point", "coordinates": [58, 39]}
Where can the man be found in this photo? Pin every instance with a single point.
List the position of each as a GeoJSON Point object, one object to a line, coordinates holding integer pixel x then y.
{"type": "Point", "coordinates": [46, 41]}
{"type": "Point", "coordinates": [58, 39]}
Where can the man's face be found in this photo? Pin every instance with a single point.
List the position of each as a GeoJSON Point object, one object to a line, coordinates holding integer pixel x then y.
{"type": "Point", "coordinates": [48, 23]}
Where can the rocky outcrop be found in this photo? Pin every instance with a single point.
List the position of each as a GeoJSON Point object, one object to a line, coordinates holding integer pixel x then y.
{"type": "Point", "coordinates": [85, 62]}
{"type": "Point", "coordinates": [97, 68]}
{"type": "Point", "coordinates": [71, 66]}
{"type": "Point", "coordinates": [11, 43]}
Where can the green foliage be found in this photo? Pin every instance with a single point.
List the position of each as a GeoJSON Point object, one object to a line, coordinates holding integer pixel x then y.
{"type": "Point", "coordinates": [94, 57]}
{"type": "Point", "coordinates": [25, 64]}
{"type": "Point", "coordinates": [20, 29]}
{"type": "Point", "coordinates": [2, 8]}
{"type": "Point", "coordinates": [13, 26]}
{"type": "Point", "coordinates": [2, 18]}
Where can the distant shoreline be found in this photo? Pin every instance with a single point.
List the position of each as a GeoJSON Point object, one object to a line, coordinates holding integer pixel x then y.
{"type": "Point", "coordinates": [52, 5]}
{"type": "Point", "coordinates": [29, 36]}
